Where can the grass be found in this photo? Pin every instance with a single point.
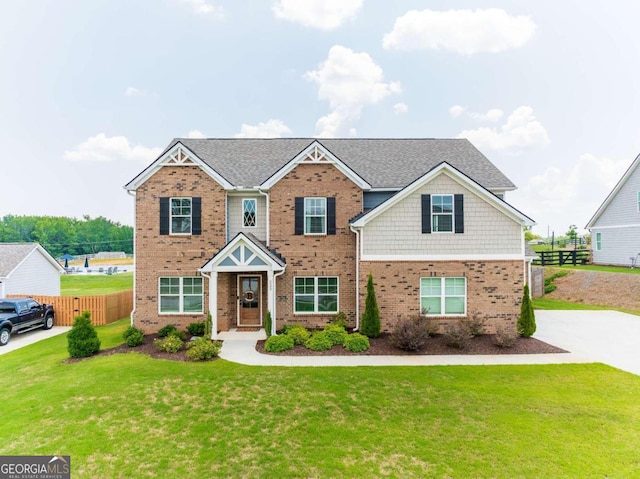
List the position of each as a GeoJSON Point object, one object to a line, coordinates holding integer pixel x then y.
{"type": "Point", "coordinates": [605, 269]}
{"type": "Point", "coordinates": [131, 416]}
{"type": "Point", "coordinates": [548, 303]}
{"type": "Point", "coordinates": [87, 285]}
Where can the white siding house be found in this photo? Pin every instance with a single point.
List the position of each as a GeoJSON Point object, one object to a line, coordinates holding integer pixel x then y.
{"type": "Point", "coordinates": [27, 268]}
{"type": "Point", "coordinates": [615, 227]}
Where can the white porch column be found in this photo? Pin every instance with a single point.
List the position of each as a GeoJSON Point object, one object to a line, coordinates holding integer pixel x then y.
{"type": "Point", "coordinates": [213, 303]}
{"type": "Point", "coordinates": [271, 299]}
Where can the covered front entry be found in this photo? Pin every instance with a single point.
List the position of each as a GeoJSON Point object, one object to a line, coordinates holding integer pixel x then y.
{"type": "Point", "coordinates": [256, 268]}
{"type": "Point", "coordinates": [249, 300]}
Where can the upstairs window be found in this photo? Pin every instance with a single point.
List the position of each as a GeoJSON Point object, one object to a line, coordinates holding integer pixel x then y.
{"type": "Point", "coordinates": [442, 213]}
{"type": "Point", "coordinates": [180, 216]}
{"type": "Point", "coordinates": [315, 216]}
{"type": "Point", "coordinates": [249, 212]}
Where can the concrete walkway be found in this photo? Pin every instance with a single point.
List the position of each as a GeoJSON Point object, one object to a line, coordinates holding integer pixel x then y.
{"type": "Point", "coordinates": [589, 336]}
{"type": "Point", "coordinates": [20, 340]}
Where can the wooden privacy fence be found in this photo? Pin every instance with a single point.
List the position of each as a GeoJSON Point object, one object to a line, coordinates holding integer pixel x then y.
{"type": "Point", "coordinates": [558, 258]}
{"type": "Point", "coordinates": [105, 308]}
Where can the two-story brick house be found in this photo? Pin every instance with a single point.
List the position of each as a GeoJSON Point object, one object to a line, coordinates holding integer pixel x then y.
{"type": "Point", "coordinates": [239, 227]}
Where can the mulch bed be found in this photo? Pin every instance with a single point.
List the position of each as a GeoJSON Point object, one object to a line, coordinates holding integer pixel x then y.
{"type": "Point", "coordinates": [436, 345]}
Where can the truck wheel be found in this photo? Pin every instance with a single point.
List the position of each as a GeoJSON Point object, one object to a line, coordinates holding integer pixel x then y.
{"type": "Point", "coordinates": [4, 336]}
{"type": "Point", "coordinates": [48, 322]}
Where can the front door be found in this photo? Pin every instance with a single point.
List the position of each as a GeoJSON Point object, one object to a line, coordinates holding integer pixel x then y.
{"type": "Point", "coordinates": [249, 301]}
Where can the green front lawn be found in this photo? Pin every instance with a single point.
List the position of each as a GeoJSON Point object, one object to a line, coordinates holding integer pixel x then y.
{"type": "Point", "coordinates": [132, 416]}
{"type": "Point", "coordinates": [87, 285]}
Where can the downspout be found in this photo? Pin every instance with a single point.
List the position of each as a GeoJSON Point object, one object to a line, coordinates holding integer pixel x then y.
{"type": "Point", "coordinates": [266, 222]}
{"type": "Point", "coordinates": [208, 276]}
{"type": "Point", "coordinates": [275, 298]}
{"type": "Point", "coordinates": [133, 311]}
{"type": "Point", "coordinates": [357, 232]}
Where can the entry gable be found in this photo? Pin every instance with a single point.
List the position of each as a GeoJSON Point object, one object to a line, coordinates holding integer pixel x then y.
{"type": "Point", "coordinates": [177, 155]}
{"type": "Point", "coordinates": [244, 253]}
{"type": "Point", "coordinates": [455, 174]}
{"type": "Point", "coordinates": [315, 153]}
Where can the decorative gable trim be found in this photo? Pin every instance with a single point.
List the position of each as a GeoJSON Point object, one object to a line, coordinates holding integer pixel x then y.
{"type": "Point", "coordinates": [315, 153]}
{"type": "Point", "coordinates": [177, 155]}
{"type": "Point", "coordinates": [614, 192]}
{"type": "Point", "coordinates": [242, 254]}
{"type": "Point", "coordinates": [456, 175]}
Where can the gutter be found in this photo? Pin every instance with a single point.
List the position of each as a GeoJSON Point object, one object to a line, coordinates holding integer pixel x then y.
{"type": "Point", "coordinates": [133, 311]}
{"type": "Point", "coordinates": [357, 232]}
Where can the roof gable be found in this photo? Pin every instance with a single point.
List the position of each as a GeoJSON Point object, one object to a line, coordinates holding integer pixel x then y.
{"type": "Point", "coordinates": [456, 175]}
{"type": "Point", "coordinates": [627, 174]}
{"type": "Point", "coordinates": [315, 154]}
{"type": "Point", "coordinates": [244, 253]}
{"type": "Point", "coordinates": [177, 155]}
{"type": "Point", "coordinates": [12, 255]}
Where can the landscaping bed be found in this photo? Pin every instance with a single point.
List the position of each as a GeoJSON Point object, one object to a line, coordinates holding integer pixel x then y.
{"type": "Point", "coordinates": [436, 345]}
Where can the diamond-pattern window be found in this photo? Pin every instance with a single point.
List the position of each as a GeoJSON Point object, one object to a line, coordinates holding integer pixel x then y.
{"type": "Point", "coordinates": [249, 207]}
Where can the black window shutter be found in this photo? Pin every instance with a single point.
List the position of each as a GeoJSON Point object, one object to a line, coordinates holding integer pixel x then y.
{"type": "Point", "coordinates": [299, 216]}
{"type": "Point", "coordinates": [426, 213]}
{"type": "Point", "coordinates": [196, 215]}
{"type": "Point", "coordinates": [164, 216]}
{"type": "Point", "coordinates": [331, 216]}
{"type": "Point", "coordinates": [458, 208]}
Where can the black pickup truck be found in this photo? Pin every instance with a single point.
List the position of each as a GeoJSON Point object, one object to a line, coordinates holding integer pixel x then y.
{"type": "Point", "coordinates": [19, 315]}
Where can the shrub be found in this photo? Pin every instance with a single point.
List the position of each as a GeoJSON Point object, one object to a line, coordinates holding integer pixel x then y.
{"type": "Point", "coordinates": [267, 323]}
{"type": "Point", "coordinates": [336, 334]}
{"type": "Point", "coordinates": [475, 324]}
{"type": "Point", "coordinates": [133, 336]}
{"type": "Point", "coordinates": [196, 329]}
{"type": "Point", "coordinates": [356, 342]}
{"type": "Point", "coordinates": [504, 338]}
{"type": "Point", "coordinates": [181, 334]}
{"type": "Point", "coordinates": [371, 317]}
{"type": "Point", "coordinates": [208, 325]}
{"type": "Point", "coordinates": [279, 343]}
{"type": "Point", "coordinates": [340, 319]}
{"type": "Point", "coordinates": [457, 335]}
{"type": "Point", "coordinates": [412, 334]}
{"type": "Point", "coordinates": [170, 344]}
{"type": "Point", "coordinates": [319, 341]}
{"type": "Point", "coordinates": [165, 331]}
{"type": "Point", "coordinates": [82, 340]}
{"type": "Point", "coordinates": [298, 333]}
{"type": "Point", "coordinates": [527, 319]}
{"type": "Point", "coordinates": [549, 284]}
{"type": "Point", "coordinates": [202, 349]}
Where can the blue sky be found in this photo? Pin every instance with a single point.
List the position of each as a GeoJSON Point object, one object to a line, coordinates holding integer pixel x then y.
{"type": "Point", "coordinates": [92, 91]}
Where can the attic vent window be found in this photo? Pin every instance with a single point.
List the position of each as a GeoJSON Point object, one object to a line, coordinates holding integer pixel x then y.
{"type": "Point", "coordinates": [315, 155]}
{"type": "Point", "coordinates": [179, 157]}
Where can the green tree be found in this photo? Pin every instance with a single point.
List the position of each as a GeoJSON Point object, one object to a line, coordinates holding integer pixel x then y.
{"type": "Point", "coordinates": [572, 234]}
{"type": "Point", "coordinates": [527, 318]}
{"type": "Point", "coordinates": [371, 317]}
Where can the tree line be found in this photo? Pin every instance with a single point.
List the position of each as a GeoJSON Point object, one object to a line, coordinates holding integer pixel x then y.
{"type": "Point", "coordinates": [60, 235]}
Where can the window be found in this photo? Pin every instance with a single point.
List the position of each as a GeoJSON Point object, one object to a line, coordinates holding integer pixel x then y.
{"type": "Point", "coordinates": [180, 216]}
{"type": "Point", "coordinates": [638, 201]}
{"type": "Point", "coordinates": [316, 294]}
{"type": "Point", "coordinates": [598, 241]}
{"type": "Point", "coordinates": [315, 216]}
{"type": "Point", "coordinates": [442, 213]}
{"type": "Point", "coordinates": [443, 296]}
{"type": "Point", "coordinates": [180, 295]}
{"type": "Point", "coordinates": [249, 207]}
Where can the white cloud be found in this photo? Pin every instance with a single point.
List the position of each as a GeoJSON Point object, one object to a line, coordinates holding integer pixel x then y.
{"type": "Point", "coordinates": [103, 148]}
{"type": "Point", "coordinates": [270, 129]}
{"type": "Point", "coordinates": [348, 81]}
{"type": "Point", "coordinates": [492, 115]}
{"type": "Point", "coordinates": [133, 91]}
{"type": "Point", "coordinates": [196, 134]}
{"type": "Point", "coordinates": [463, 31]}
{"type": "Point", "coordinates": [521, 132]}
{"type": "Point", "coordinates": [456, 110]}
{"type": "Point", "coordinates": [201, 7]}
{"type": "Point", "coordinates": [400, 108]}
{"type": "Point", "coordinates": [560, 196]}
{"type": "Point", "coordinates": [322, 14]}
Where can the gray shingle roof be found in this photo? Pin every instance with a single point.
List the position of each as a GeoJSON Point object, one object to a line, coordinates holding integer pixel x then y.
{"type": "Point", "coordinates": [12, 254]}
{"type": "Point", "coordinates": [383, 163]}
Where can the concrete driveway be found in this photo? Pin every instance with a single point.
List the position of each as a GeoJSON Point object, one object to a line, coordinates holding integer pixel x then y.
{"type": "Point", "coordinates": [20, 340]}
{"type": "Point", "coordinates": [608, 337]}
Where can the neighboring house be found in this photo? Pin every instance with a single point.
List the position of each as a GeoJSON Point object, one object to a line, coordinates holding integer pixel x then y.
{"type": "Point", "coordinates": [27, 268]}
{"type": "Point", "coordinates": [239, 227]}
{"type": "Point", "coordinates": [615, 226]}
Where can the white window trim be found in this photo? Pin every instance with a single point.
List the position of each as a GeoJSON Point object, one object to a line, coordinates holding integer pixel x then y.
{"type": "Point", "coordinates": [453, 217]}
{"type": "Point", "coordinates": [324, 232]}
{"type": "Point", "coordinates": [443, 296]}
{"type": "Point", "coordinates": [255, 209]}
{"type": "Point", "coordinates": [181, 296]}
{"type": "Point", "coordinates": [315, 296]}
{"type": "Point", "coordinates": [598, 241]}
{"type": "Point", "coordinates": [171, 215]}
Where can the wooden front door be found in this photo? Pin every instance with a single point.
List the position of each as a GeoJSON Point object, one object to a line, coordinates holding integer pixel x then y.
{"type": "Point", "coordinates": [249, 310]}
